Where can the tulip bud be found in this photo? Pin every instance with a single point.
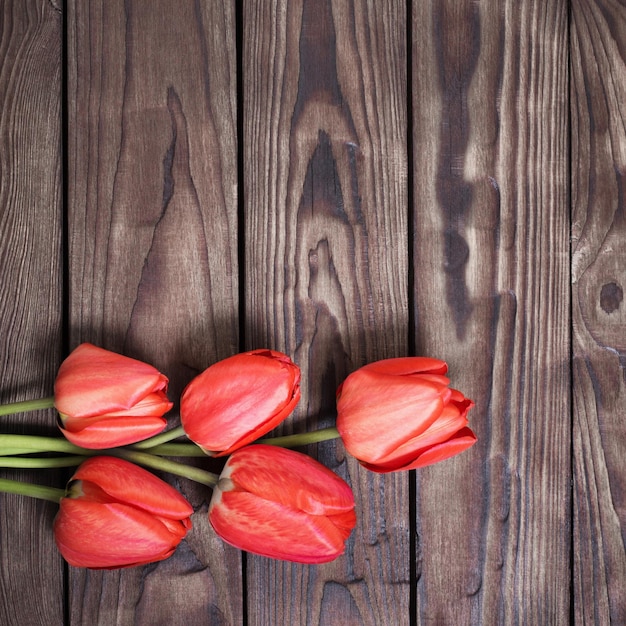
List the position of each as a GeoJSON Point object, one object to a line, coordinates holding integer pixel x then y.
{"type": "Point", "coordinates": [119, 515]}
{"type": "Point", "coordinates": [239, 399]}
{"type": "Point", "coordinates": [106, 400]}
{"type": "Point", "coordinates": [282, 504]}
{"type": "Point", "coordinates": [400, 414]}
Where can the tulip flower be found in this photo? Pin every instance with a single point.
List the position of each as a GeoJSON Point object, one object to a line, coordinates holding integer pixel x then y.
{"type": "Point", "coordinates": [239, 399]}
{"type": "Point", "coordinates": [106, 400]}
{"type": "Point", "coordinates": [282, 504]}
{"type": "Point", "coordinates": [119, 515]}
{"type": "Point", "coordinates": [400, 414]}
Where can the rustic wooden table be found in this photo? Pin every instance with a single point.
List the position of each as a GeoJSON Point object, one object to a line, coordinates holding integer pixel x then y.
{"type": "Point", "coordinates": [342, 180]}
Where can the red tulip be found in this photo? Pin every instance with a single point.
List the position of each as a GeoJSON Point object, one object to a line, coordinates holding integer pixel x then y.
{"type": "Point", "coordinates": [107, 400]}
{"type": "Point", "coordinates": [282, 504]}
{"type": "Point", "coordinates": [239, 399]}
{"type": "Point", "coordinates": [119, 515]}
{"type": "Point", "coordinates": [400, 414]}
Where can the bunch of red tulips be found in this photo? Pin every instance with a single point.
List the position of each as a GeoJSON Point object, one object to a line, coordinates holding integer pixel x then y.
{"type": "Point", "coordinates": [392, 415]}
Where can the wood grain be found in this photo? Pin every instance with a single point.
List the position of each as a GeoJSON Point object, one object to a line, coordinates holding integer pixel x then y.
{"type": "Point", "coordinates": [518, 115]}
{"type": "Point", "coordinates": [31, 569]}
{"type": "Point", "coordinates": [598, 111]}
{"type": "Point", "coordinates": [324, 141]}
{"type": "Point", "coordinates": [491, 291]}
{"type": "Point", "coordinates": [153, 249]}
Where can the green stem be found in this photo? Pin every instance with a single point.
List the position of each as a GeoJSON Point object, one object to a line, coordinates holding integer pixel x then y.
{"type": "Point", "coordinates": [176, 449]}
{"type": "Point", "coordinates": [27, 405]}
{"type": "Point", "coordinates": [24, 444]}
{"type": "Point", "coordinates": [165, 465]}
{"type": "Point", "coordinates": [302, 439]}
{"type": "Point", "coordinates": [33, 443]}
{"type": "Point", "coordinates": [34, 462]}
{"type": "Point", "coordinates": [157, 440]}
{"type": "Point", "coordinates": [34, 491]}
{"type": "Point", "coordinates": [14, 451]}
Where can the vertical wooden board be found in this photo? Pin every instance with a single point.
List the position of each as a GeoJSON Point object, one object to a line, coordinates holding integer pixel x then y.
{"type": "Point", "coordinates": [326, 266]}
{"type": "Point", "coordinates": [153, 249]}
{"type": "Point", "coordinates": [492, 298]}
{"type": "Point", "coordinates": [598, 112]}
{"type": "Point", "coordinates": [31, 570]}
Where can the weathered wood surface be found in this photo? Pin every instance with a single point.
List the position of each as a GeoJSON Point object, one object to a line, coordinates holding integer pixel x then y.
{"type": "Point", "coordinates": [152, 235]}
{"type": "Point", "coordinates": [491, 291]}
{"type": "Point", "coordinates": [344, 181]}
{"type": "Point", "coordinates": [324, 121]}
{"type": "Point", "coordinates": [31, 278]}
{"type": "Point", "coordinates": [598, 112]}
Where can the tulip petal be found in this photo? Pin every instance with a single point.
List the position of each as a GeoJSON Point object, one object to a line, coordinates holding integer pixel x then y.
{"type": "Point", "coordinates": [274, 530]}
{"type": "Point", "coordinates": [460, 441]}
{"type": "Point", "coordinates": [110, 432]}
{"type": "Point", "coordinates": [104, 536]}
{"type": "Point", "coordinates": [399, 414]}
{"type": "Point", "coordinates": [128, 483]}
{"type": "Point", "coordinates": [344, 522]}
{"type": "Point", "coordinates": [264, 428]}
{"type": "Point", "coordinates": [289, 478]}
{"type": "Point", "coordinates": [402, 366]}
{"type": "Point", "coordinates": [156, 403]}
{"type": "Point", "coordinates": [92, 381]}
{"type": "Point", "coordinates": [445, 426]}
{"type": "Point", "coordinates": [151, 406]}
{"type": "Point", "coordinates": [239, 399]}
{"type": "Point", "coordinates": [282, 504]}
{"type": "Point", "coordinates": [376, 413]}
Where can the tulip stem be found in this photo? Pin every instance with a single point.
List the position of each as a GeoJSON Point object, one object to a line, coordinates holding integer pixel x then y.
{"type": "Point", "coordinates": [15, 451]}
{"type": "Point", "coordinates": [26, 462]}
{"type": "Point", "coordinates": [32, 443]}
{"type": "Point", "coordinates": [171, 467]}
{"type": "Point", "coordinates": [27, 405]}
{"type": "Point", "coordinates": [41, 492]}
{"type": "Point", "coordinates": [176, 449]}
{"type": "Point", "coordinates": [157, 440]}
{"type": "Point", "coordinates": [302, 439]}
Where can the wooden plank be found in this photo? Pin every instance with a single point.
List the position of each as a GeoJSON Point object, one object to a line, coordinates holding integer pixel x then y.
{"type": "Point", "coordinates": [492, 298]}
{"type": "Point", "coordinates": [324, 139]}
{"type": "Point", "coordinates": [598, 111]}
{"type": "Point", "coordinates": [31, 570]}
{"type": "Point", "coordinates": [153, 249]}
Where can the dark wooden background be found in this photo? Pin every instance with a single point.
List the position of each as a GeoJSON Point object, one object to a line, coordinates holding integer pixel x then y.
{"type": "Point", "coordinates": [343, 180]}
